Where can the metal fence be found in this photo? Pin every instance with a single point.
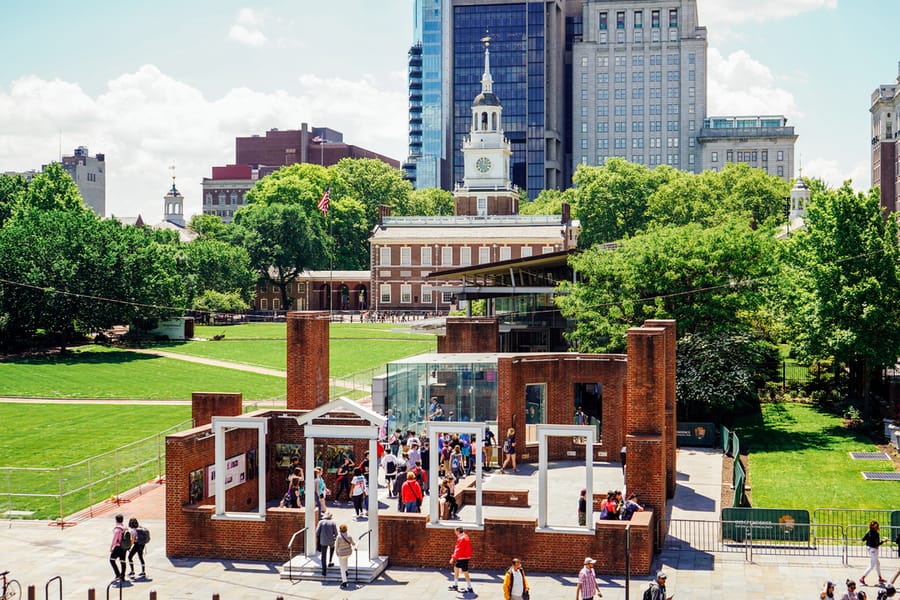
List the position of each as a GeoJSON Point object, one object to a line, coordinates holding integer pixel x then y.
{"type": "Point", "coordinates": [54, 493]}
{"type": "Point", "coordinates": [765, 538]}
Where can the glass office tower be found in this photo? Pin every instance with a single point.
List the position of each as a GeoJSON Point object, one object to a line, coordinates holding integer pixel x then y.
{"type": "Point", "coordinates": [527, 63]}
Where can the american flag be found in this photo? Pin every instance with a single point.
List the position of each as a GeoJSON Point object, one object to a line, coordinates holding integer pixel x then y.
{"type": "Point", "coordinates": [324, 201]}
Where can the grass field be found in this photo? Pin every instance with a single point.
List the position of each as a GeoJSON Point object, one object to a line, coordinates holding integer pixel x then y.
{"type": "Point", "coordinates": [353, 347]}
{"type": "Point", "coordinates": [48, 436]}
{"type": "Point", "coordinates": [100, 372]}
{"type": "Point", "coordinates": [799, 458]}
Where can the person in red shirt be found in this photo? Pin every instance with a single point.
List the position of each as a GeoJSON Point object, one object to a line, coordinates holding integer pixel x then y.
{"type": "Point", "coordinates": [411, 494]}
{"type": "Point", "coordinates": [462, 554]}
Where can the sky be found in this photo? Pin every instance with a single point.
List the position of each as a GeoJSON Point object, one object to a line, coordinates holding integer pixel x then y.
{"type": "Point", "coordinates": [163, 83]}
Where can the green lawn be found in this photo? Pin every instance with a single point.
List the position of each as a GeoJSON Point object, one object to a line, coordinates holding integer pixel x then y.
{"type": "Point", "coordinates": [100, 372]}
{"type": "Point", "coordinates": [354, 347]}
{"type": "Point", "coordinates": [799, 459]}
{"type": "Point", "coordinates": [56, 435]}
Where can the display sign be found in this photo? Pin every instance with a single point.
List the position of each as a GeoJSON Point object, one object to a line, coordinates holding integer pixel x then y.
{"type": "Point", "coordinates": [235, 472]}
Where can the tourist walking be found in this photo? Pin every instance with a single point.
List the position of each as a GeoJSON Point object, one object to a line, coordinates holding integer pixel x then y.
{"type": "Point", "coordinates": [138, 541]}
{"type": "Point", "coordinates": [828, 592]}
{"type": "Point", "coordinates": [873, 543]}
{"type": "Point", "coordinates": [358, 491]}
{"type": "Point", "coordinates": [411, 494]}
{"type": "Point", "coordinates": [343, 547]}
{"type": "Point", "coordinates": [587, 583]}
{"type": "Point", "coordinates": [326, 534]}
{"type": "Point", "coordinates": [389, 464]}
{"type": "Point", "coordinates": [658, 588]}
{"type": "Point", "coordinates": [117, 548]}
{"type": "Point", "coordinates": [509, 449]}
{"type": "Point", "coordinates": [320, 491]}
{"type": "Point", "coordinates": [488, 447]}
{"type": "Point", "coordinates": [462, 554]}
{"type": "Point", "coordinates": [515, 585]}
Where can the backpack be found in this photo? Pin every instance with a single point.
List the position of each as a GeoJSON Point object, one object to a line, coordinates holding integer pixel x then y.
{"type": "Point", "coordinates": [454, 464]}
{"type": "Point", "coordinates": [143, 535]}
{"type": "Point", "coordinates": [391, 467]}
{"type": "Point", "coordinates": [125, 540]}
{"type": "Point", "coordinates": [648, 593]}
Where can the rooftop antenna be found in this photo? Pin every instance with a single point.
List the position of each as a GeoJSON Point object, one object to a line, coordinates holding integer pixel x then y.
{"type": "Point", "coordinates": [172, 168]}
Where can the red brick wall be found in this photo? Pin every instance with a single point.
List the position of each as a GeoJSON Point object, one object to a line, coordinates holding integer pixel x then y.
{"type": "Point", "coordinates": [307, 359]}
{"type": "Point", "coordinates": [502, 539]}
{"type": "Point", "coordinates": [560, 372]}
{"type": "Point", "coordinates": [645, 423]}
{"type": "Point", "coordinates": [470, 334]}
{"type": "Point", "coordinates": [671, 441]}
{"type": "Point", "coordinates": [206, 405]}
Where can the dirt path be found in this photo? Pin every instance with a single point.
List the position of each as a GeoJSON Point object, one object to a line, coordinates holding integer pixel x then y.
{"type": "Point", "coordinates": [225, 364]}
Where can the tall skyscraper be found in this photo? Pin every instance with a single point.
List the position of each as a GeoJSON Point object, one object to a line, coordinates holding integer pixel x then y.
{"type": "Point", "coordinates": [885, 126]}
{"type": "Point", "coordinates": [527, 62]}
{"type": "Point", "coordinates": [639, 83]}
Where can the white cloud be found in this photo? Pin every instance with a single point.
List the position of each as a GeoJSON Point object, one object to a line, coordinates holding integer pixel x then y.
{"type": "Point", "coordinates": [715, 12]}
{"type": "Point", "coordinates": [835, 173]}
{"type": "Point", "coordinates": [247, 29]}
{"type": "Point", "coordinates": [146, 120]}
{"type": "Point", "coordinates": [739, 85]}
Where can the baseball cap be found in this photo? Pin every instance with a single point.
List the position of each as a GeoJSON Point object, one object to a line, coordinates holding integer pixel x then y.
{"type": "Point", "coordinates": [589, 561]}
{"type": "Point", "coordinates": [661, 575]}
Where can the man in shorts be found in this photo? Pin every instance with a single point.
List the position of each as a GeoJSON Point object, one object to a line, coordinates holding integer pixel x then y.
{"type": "Point", "coordinates": [462, 554]}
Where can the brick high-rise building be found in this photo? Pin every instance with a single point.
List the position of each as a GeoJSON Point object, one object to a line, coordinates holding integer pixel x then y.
{"type": "Point", "coordinates": [89, 174]}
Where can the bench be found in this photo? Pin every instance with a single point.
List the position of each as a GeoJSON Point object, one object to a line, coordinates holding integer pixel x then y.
{"type": "Point", "coordinates": [465, 494]}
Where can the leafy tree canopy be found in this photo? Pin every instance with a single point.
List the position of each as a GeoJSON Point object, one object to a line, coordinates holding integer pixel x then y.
{"type": "Point", "coordinates": [549, 202]}
{"type": "Point", "coordinates": [425, 202]}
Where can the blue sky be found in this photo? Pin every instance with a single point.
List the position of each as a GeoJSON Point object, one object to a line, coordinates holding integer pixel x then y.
{"type": "Point", "coordinates": [162, 83]}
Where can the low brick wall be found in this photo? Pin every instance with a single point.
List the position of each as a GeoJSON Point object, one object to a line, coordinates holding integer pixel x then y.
{"type": "Point", "coordinates": [200, 536]}
{"type": "Point", "coordinates": [502, 539]}
{"type": "Point", "coordinates": [496, 497]}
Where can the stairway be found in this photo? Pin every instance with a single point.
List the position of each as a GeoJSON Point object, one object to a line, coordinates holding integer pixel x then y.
{"type": "Point", "coordinates": [310, 568]}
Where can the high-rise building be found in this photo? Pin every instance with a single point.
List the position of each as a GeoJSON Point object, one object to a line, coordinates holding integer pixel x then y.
{"type": "Point", "coordinates": [639, 83]}
{"type": "Point", "coordinates": [89, 174]}
{"type": "Point", "coordinates": [764, 142]}
{"type": "Point", "coordinates": [885, 125]}
{"type": "Point", "coordinates": [527, 54]}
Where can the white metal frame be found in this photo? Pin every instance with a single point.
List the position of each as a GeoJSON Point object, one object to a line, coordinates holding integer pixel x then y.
{"type": "Point", "coordinates": [548, 431]}
{"type": "Point", "coordinates": [220, 425]}
{"type": "Point", "coordinates": [433, 428]}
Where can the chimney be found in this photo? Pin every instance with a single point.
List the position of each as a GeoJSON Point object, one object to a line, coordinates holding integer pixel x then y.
{"type": "Point", "coordinates": [384, 210]}
{"type": "Point", "coordinates": [566, 213]}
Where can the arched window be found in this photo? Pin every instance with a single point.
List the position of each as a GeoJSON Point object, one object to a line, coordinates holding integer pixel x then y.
{"type": "Point", "coordinates": [484, 121]}
{"type": "Point", "coordinates": [494, 122]}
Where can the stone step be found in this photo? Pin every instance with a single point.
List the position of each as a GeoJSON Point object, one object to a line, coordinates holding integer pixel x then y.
{"type": "Point", "coordinates": [361, 568]}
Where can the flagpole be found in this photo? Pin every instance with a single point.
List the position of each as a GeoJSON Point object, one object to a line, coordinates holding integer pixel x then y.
{"type": "Point", "coordinates": [331, 272]}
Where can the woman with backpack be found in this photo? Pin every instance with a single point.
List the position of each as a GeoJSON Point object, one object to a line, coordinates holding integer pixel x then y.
{"type": "Point", "coordinates": [358, 491]}
{"type": "Point", "coordinates": [139, 540]}
{"type": "Point", "coordinates": [343, 547]}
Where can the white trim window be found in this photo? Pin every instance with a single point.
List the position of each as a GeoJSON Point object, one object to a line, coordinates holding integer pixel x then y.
{"type": "Point", "coordinates": [384, 293]}
{"type": "Point", "coordinates": [425, 256]}
{"type": "Point", "coordinates": [526, 251]}
{"type": "Point", "coordinates": [405, 256]}
{"type": "Point", "coordinates": [426, 294]}
{"type": "Point", "coordinates": [465, 256]}
{"type": "Point", "coordinates": [384, 257]}
{"type": "Point", "coordinates": [447, 256]}
{"type": "Point", "coordinates": [505, 253]}
{"type": "Point", "coordinates": [484, 255]}
{"type": "Point", "coordinates": [405, 294]}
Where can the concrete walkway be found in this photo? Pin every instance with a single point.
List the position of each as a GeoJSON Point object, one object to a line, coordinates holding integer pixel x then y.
{"type": "Point", "coordinates": [34, 552]}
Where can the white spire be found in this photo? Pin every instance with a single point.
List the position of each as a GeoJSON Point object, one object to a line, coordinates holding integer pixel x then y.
{"type": "Point", "coordinates": [487, 82]}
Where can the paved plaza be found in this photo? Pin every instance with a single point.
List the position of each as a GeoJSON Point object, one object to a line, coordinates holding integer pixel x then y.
{"type": "Point", "coordinates": [34, 552]}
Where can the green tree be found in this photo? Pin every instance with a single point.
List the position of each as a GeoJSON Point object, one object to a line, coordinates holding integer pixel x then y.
{"type": "Point", "coordinates": [846, 301]}
{"type": "Point", "coordinates": [301, 184]}
{"type": "Point", "coordinates": [372, 182]}
{"type": "Point", "coordinates": [549, 202]}
{"type": "Point", "coordinates": [53, 189]}
{"type": "Point", "coordinates": [209, 227]}
{"type": "Point", "coordinates": [212, 301]}
{"type": "Point", "coordinates": [703, 278]}
{"type": "Point", "coordinates": [217, 266]}
{"type": "Point", "coordinates": [350, 234]}
{"type": "Point", "coordinates": [12, 190]}
{"type": "Point", "coordinates": [282, 240]}
{"type": "Point", "coordinates": [612, 199]}
{"type": "Point", "coordinates": [426, 202]}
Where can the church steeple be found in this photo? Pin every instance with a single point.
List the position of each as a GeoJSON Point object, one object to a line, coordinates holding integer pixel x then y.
{"type": "Point", "coordinates": [487, 82]}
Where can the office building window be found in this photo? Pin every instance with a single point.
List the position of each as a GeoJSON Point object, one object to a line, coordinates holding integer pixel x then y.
{"type": "Point", "coordinates": [603, 110]}
{"type": "Point", "coordinates": [655, 125]}
{"type": "Point", "coordinates": [621, 61]}
{"type": "Point", "coordinates": [637, 93]}
{"type": "Point", "coordinates": [620, 126]}
{"type": "Point", "coordinates": [620, 19]}
{"type": "Point", "coordinates": [584, 128]}
{"type": "Point", "coordinates": [405, 294]}
{"type": "Point", "coordinates": [584, 94]}
{"type": "Point", "coordinates": [655, 76]}
{"type": "Point", "coordinates": [602, 143]}
{"type": "Point", "coordinates": [654, 35]}
{"type": "Point", "coordinates": [604, 21]}
{"type": "Point", "coordinates": [637, 60]}
{"type": "Point", "coordinates": [637, 110]}
{"type": "Point", "coordinates": [603, 78]}
{"type": "Point", "coordinates": [691, 159]}
{"type": "Point", "coordinates": [780, 157]}
{"type": "Point", "coordinates": [765, 156]}
{"type": "Point", "coordinates": [673, 17]}
{"type": "Point", "coordinates": [621, 77]}
{"type": "Point", "coordinates": [672, 109]}
{"type": "Point", "coordinates": [584, 144]}
{"type": "Point", "coordinates": [425, 256]}
{"type": "Point", "coordinates": [209, 198]}
{"type": "Point", "coordinates": [672, 142]}
{"type": "Point", "coordinates": [691, 142]}
{"type": "Point", "coordinates": [603, 61]}
{"type": "Point", "coordinates": [729, 156]}
{"type": "Point", "coordinates": [385, 255]}
{"type": "Point", "coordinates": [384, 293]}
{"type": "Point", "coordinates": [674, 76]}
{"type": "Point", "coordinates": [221, 198]}
{"type": "Point", "coordinates": [584, 62]}
{"type": "Point", "coordinates": [654, 19]}
{"type": "Point", "coordinates": [673, 35]}
{"type": "Point", "coordinates": [692, 58]}
{"type": "Point", "coordinates": [780, 171]}
{"type": "Point", "coordinates": [638, 36]}
{"type": "Point", "coordinates": [692, 75]}
{"type": "Point", "coordinates": [603, 127]}
{"type": "Point", "coordinates": [584, 78]}
{"type": "Point", "coordinates": [427, 294]}
{"type": "Point", "coordinates": [655, 60]}
{"type": "Point", "coordinates": [620, 143]}
{"type": "Point", "coordinates": [234, 198]}
{"type": "Point", "coordinates": [603, 37]}
{"type": "Point", "coordinates": [692, 91]}
{"type": "Point", "coordinates": [584, 111]}
{"type": "Point", "coordinates": [637, 143]}
{"type": "Point", "coordinates": [637, 77]}
{"type": "Point", "coordinates": [405, 256]}
{"type": "Point", "coordinates": [638, 19]}
{"type": "Point", "coordinates": [637, 159]}
{"type": "Point", "coordinates": [601, 95]}
{"type": "Point", "coordinates": [637, 126]}
{"type": "Point", "coordinates": [672, 125]}
{"type": "Point", "coordinates": [465, 256]}
{"type": "Point", "coordinates": [673, 92]}
{"type": "Point", "coordinates": [673, 59]}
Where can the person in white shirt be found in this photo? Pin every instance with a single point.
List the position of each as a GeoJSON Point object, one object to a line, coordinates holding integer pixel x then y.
{"type": "Point", "coordinates": [389, 465]}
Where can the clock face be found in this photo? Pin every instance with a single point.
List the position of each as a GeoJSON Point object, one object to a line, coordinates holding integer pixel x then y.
{"type": "Point", "coordinates": [483, 164]}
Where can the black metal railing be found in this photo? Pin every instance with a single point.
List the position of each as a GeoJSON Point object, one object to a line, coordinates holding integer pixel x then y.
{"type": "Point", "coordinates": [291, 553]}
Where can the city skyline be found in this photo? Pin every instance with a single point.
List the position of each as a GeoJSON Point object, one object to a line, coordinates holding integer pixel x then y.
{"type": "Point", "coordinates": [176, 83]}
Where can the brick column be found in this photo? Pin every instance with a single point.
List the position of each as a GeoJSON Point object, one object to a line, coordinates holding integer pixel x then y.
{"type": "Point", "coordinates": [206, 405]}
{"type": "Point", "coordinates": [645, 424]}
{"type": "Point", "coordinates": [471, 334]}
{"type": "Point", "coordinates": [307, 359]}
{"type": "Point", "coordinates": [671, 408]}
